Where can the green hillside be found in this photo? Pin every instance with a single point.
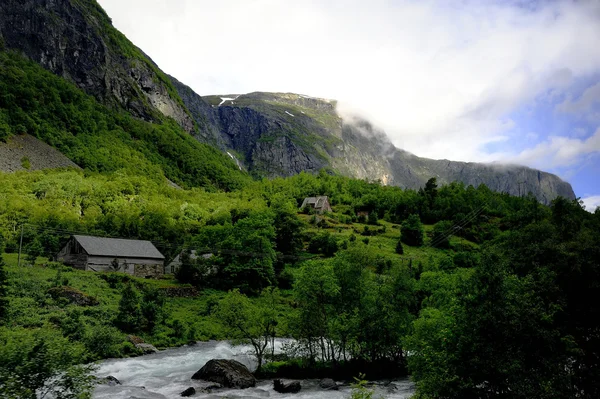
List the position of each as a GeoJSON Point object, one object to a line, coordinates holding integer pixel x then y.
{"type": "Point", "coordinates": [99, 139]}
{"type": "Point", "coordinates": [439, 272]}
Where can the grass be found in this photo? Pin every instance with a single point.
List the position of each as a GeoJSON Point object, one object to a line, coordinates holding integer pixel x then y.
{"type": "Point", "coordinates": [385, 243]}
{"type": "Point", "coordinates": [32, 307]}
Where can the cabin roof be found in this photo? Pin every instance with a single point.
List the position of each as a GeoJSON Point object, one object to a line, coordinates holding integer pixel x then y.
{"type": "Point", "coordinates": [118, 247]}
{"type": "Point", "coordinates": [316, 202]}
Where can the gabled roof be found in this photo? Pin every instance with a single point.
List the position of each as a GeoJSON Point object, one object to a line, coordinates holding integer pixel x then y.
{"type": "Point", "coordinates": [118, 247]}
{"type": "Point", "coordinates": [316, 202]}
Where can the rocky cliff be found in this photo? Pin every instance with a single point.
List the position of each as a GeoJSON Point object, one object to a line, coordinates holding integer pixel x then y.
{"type": "Point", "coordinates": [75, 39]}
{"type": "Point", "coordinates": [280, 134]}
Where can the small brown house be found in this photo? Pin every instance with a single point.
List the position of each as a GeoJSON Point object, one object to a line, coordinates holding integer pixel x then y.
{"type": "Point", "coordinates": [319, 204]}
{"type": "Point", "coordinates": [100, 254]}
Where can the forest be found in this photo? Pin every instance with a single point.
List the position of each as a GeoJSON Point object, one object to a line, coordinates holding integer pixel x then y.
{"type": "Point", "coordinates": [473, 293]}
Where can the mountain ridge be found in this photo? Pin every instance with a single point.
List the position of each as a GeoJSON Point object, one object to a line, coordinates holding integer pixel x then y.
{"type": "Point", "coordinates": [355, 148]}
{"type": "Point", "coordinates": [270, 134]}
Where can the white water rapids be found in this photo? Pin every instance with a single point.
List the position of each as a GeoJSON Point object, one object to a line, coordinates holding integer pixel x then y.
{"type": "Point", "coordinates": [168, 373]}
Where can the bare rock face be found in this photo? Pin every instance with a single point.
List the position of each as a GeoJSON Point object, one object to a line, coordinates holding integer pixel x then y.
{"type": "Point", "coordinates": [76, 40]}
{"type": "Point", "coordinates": [228, 373]}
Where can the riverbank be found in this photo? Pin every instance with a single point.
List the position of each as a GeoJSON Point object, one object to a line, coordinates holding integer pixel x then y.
{"type": "Point", "coordinates": [168, 373]}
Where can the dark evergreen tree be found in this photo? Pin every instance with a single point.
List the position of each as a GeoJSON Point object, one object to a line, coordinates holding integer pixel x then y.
{"type": "Point", "coordinates": [412, 231]}
{"type": "Point", "coordinates": [129, 318]}
{"type": "Point", "coordinates": [399, 248]}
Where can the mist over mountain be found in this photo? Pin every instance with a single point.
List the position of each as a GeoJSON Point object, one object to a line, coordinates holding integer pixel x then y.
{"type": "Point", "coordinates": [266, 134]}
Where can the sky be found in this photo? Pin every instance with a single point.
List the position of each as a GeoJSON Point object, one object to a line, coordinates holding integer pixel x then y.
{"type": "Point", "coordinates": [485, 81]}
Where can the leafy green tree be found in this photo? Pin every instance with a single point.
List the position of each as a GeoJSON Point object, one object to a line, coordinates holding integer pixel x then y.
{"type": "Point", "coordinates": [323, 243]}
{"type": "Point", "coordinates": [152, 308]}
{"type": "Point", "coordinates": [40, 363]}
{"type": "Point", "coordinates": [412, 231]}
{"type": "Point", "coordinates": [441, 234]}
{"type": "Point", "coordinates": [250, 322]}
{"type": "Point", "coordinates": [288, 228]}
{"type": "Point", "coordinates": [315, 290]}
{"type": "Point", "coordinates": [372, 218]}
{"type": "Point", "coordinates": [129, 317]}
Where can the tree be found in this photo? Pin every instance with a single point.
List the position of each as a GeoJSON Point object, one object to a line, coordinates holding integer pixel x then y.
{"type": "Point", "coordinates": [441, 234]}
{"type": "Point", "coordinates": [288, 228]}
{"type": "Point", "coordinates": [323, 243]}
{"type": "Point", "coordinates": [248, 322]}
{"type": "Point", "coordinates": [42, 363]}
{"type": "Point", "coordinates": [412, 231]}
{"type": "Point", "coordinates": [129, 318]}
{"type": "Point", "coordinates": [372, 219]}
{"type": "Point", "coordinates": [315, 291]}
{"type": "Point", "coordinates": [151, 308]}
{"type": "Point", "coordinates": [399, 248]}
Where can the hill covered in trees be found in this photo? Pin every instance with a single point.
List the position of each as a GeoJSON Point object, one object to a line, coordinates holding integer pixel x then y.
{"type": "Point", "coordinates": [473, 293]}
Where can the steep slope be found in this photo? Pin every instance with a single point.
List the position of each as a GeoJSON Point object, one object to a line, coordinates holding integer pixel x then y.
{"type": "Point", "coordinates": [97, 138]}
{"type": "Point", "coordinates": [281, 134]}
{"type": "Point", "coordinates": [75, 39]}
{"type": "Point", "coordinates": [24, 152]}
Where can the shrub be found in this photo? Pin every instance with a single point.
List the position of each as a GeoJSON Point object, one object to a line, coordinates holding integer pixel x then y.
{"type": "Point", "coordinates": [103, 341]}
{"type": "Point", "coordinates": [412, 231]}
{"type": "Point", "coordinates": [399, 248]}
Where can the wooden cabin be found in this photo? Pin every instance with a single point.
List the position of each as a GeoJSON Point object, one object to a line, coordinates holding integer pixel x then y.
{"type": "Point", "coordinates": [101, 254]}
{"type": "Point", "coordinates": [319, 204]}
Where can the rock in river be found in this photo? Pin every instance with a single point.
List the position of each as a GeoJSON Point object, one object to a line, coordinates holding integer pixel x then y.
{"type": "Point", "coordinates": [286, 386]}
{"type": "Point", "coordinates": [229, 373]}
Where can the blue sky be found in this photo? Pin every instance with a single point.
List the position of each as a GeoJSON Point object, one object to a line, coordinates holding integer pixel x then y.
{"type": "Point", "coordinates": [486, 81]}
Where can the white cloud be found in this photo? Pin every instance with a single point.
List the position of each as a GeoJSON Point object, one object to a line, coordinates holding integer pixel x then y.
{"type": "Point", "coordinates": [591, 203]}
{"type": "Point", "coordinates": [438, 76]}
{"type": "Point", "coordinates": [558, 151]}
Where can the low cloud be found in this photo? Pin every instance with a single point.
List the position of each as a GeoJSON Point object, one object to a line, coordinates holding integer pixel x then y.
{"type": "Point", "coordinates": [559, 151]}
{"type": "Point", "coordinates": [591, 203]}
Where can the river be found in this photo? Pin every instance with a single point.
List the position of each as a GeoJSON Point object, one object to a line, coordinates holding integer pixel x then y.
{"type": "Point", "coordinates": [164, 375]}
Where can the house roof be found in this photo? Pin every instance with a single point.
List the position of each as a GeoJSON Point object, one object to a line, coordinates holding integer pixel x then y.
{"type": "Point", "coordinates": [316, 202]}
{"type": "Point", "coordinates": [118, 247]}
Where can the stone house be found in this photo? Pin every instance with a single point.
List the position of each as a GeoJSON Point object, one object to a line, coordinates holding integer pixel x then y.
{"type": "Point", "coordinates": [101, 254]}
{"type": "Point", "coordinates": [319, 204]}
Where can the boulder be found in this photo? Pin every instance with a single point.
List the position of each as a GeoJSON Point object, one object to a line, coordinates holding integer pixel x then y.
{"type": "Point", "coordinates": [188, 392]}
{"type": "Point", "coordinates": [110, 381]}
{"type": "Point", "coordinates": [286, 386]}
{"type": "Point", "coordinates": [72, 295]}
{"type": "Point", "coordinates": [228, 373]}
{"type": "Point", "coordinates": [134, 339]}
{"type": "Point", "coordinates": [328, 384]}
{"type": "Point", "coordinates": [146, 348]}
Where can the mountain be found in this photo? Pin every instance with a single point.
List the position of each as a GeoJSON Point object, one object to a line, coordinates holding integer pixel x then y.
{"type": "Point", "coordinates": [281, 134]}
{"type": "Point", "coordinates": [266, 134]}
